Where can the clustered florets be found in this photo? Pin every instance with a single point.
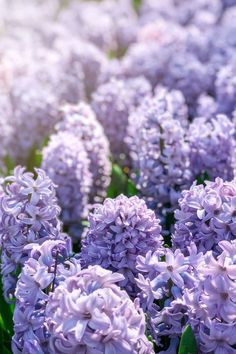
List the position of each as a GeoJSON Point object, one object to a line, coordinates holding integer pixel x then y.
{"type": "Point", "coordinates": [66, 162]}
{"type": "Point", "coordinates": [206, 216]}
{"type": "Point", "coordinates": [89, 312]}
{"type": "Point", "coordinates": [121, 229]}
{"type": "Point", "coordinates": [81, 121]}
{"type": "Point", "coordinates": [29, 213]}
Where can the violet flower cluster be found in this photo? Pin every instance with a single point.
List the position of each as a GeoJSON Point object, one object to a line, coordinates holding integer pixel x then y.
{"type": "Point", "coordinates": [112, 103]}
{"type": "Point", "coordinates": [211, 302]}
{"type": "Point", "coordinates": [88, 312]}
{"type": "Point", "coordinates": [67, 163]}
{"type": "Point", "coordinates": [162, 155]}
{"type": "Point", "coordinates": [206, 216]}
{"type": "Point", "coordinates": [29, 214]}
{"type": "Point", "coordinates": [212, 147]}
{"type": "Point", "coordinates": [48, 265]}
{"type": "Point", "coordinates": [81, 121]}
{"type": "Point", "coordinates": [119, 230]}
{"type": "Point", "coordinates": [163, 276]}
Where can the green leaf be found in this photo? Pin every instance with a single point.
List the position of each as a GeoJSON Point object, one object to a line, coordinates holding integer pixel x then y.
{"type": "Point", "coordinates": [6, 311]}
{"type": "Point", "coordinates": [9, 163]}
{"type": "Point", "coordinates": [188, 344]}
{"type": "Point", "coordinates": [118, 183]}
{"type": "Point", "coordinates": [202, 178]}
{"type": "Point", "coordinates": [137, 4]}
{"type": "Point", "coordinates": [131, 189]}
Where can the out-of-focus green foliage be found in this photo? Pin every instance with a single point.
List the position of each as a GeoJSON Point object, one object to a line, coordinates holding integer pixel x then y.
{"type": "Point", "coordinates": [120, 184]}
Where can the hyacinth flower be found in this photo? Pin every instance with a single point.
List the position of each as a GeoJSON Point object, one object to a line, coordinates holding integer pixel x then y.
{"type": "Point", "coordinates": [48, 264]}
{"type": "Point", "coordinates": [119, 230]}
{"type": "Point", "coordinates": [163, 101]}
{"type": "Point", "coordinates": [206, 216]}
{"type": "Point", "coordinates": [226, 89]}
{"type": "Point", "coordinates": [163, 276]}
{"type": "Point", "coordinates": [61, 308]}
{"type": "Point", "coordinates": [211, 303]}
{"type": "Point", "coordinates": [90, 313]}
{"type": "Point", "coordinates": [81, 121]}
{"type": "Point", "coordinates": [113, 102]}
{"type": "Point", "coordinates": [66, 162]}
{"type": "Point", "coordinates": [162, 157]}
{"type": "Point", "coordinates": [212, 147]}
{"type": "Point", "coordinates": [29, 213]}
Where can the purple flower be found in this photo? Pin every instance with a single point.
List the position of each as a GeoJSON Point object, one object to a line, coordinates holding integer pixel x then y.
{"type": "Point", "coordinates": [80, 121]}
{"type": "Point", "coordinates": [162, 278]}
{"type": "Point", "coordinates": [226, 89]}
{"type": "Point", "coordinates": [29, 213]}
{"type": "Point", "coordinates": [120, 230]}
{"type": "Point", "coordinates": [66, 162]}
{"type": "Point", "coordinates": [47, 266]}
{"type": "Point", "coordinates": [112, 103]}
{"type": "Point", "coordinates": [212, 147]}
{"type": "Point", "coordinates": [161, 156]}
{"type": "Point", "coordinates": [89, 312]}
{"type": "Point", "coordinates": [206, 216]}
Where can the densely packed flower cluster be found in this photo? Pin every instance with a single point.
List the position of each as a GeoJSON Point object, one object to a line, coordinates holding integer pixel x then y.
{"type": "Point", "coordinates": [29, 213]}
{"type": "Point", "coordinates": [89, 312]}
{"type": "Point", "coordinates": [80, 120]}
{"type": "Point", "coordinates": [112, 103]}
{"type": "Point", "coordinates": [206, 216]}
{"type": "Point", "coordinates": [66, 162]}
{"type": "Point", "coordinates": [123, 113]}
{"type": "Point", "coordinates": [120, 230]}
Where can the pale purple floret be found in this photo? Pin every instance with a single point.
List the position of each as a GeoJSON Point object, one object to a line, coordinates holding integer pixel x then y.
{"type": "Point", "coordinates": [212, 147]}
{"type": "Point", "coordinates": [112, 103]}
{"type": "Point", "coordinates": [48, 265]}
{"type": "Point", "coordinates": [90, 313]}
{"type": "Point", "coordinates": [29, 213]}
{"type": "Point", "coordinates": [206, 216]}
{"type": "Point", "coordinates": [121, 229]}
{"type": "Point", "coordinates": [206, 106]}
{"type": "Point", "coordinates": [66, 162]}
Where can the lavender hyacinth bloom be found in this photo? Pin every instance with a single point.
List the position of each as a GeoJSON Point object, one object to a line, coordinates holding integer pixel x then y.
{"type": "Point", "coordinates": [112, 103]}
{"type": "Point", "coordinates": [187, 74]}
{"type": "Point", "coordinates": [90, 313]}
{"type": "Point", "coordinates": [150, 61]}
{"type": "Point", "coordinates": [206, 215]}
{"type": "Point", "coordinates": [164, 101]}
{"type": "Point", "coordinates": [211, 302]}
{"type": "Point", "coordinates": [47, 266]}
{"type": "Point", "coordinates": [206, 106]}
{"type": "Point", "coordinates": [29, 213]}
{"type": "Point", "coordinates": [163, 276]}
{"type": "Point", "coordinates": [120, 230]}
{"type": "Point", "coordinates": [226, 89]}
{"type": "Point", "coordinates": [67, 163]}
{"type": "Point", "coordinates": [162, 157]}
{"type": "Point", "coordinates": [212, 147]}
{"type": "Point", "coordinates": [81, 121]}
{"type": "Point", "coordinates": [82, 56]}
